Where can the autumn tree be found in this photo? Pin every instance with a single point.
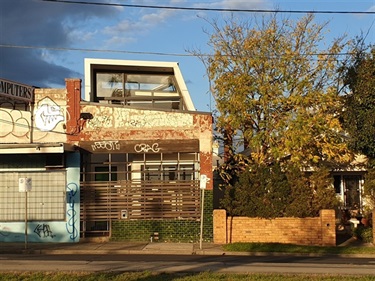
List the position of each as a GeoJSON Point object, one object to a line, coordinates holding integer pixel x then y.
{"type": "Point", "coordinates": [275, 84]}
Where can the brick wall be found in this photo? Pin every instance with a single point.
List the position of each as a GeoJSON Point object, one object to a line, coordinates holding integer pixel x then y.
{"type": "Point", "coordinates": [300, 231]}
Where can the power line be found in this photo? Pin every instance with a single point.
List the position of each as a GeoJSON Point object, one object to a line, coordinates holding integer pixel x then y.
{"type": "Point", "coordinates": [212, 9]}
{"type": "Point", "coordinates": [27, 126]}
{"type": "Point", "coordinates": [96, 50]}
{"type": "Point", "coordinates": [141, 53]}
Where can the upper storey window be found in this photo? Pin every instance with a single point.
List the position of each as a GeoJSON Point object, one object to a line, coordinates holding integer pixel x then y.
{"type": "Point", "coordinates": [145, 84]}
{"type": "Point", "coordinates": [144, 90]}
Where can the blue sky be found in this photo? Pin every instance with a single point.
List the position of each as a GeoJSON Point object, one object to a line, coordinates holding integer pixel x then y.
{"type": "Point", "coordinates": [50, 40]}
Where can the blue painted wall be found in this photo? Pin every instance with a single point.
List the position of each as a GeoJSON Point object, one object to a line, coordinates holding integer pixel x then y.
{"type": "Point", "coordinates": [52, 231]}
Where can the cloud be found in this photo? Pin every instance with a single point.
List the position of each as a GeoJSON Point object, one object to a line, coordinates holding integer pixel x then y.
{"type": "Point", "coordinates": [140, 22]}
{"type": "Point", "coordinates": [44, 24]}
{"type": "Point", "coordinates": [28, 66]}
{"type": "Point", "coordinates": [51, 25]}
{"type": "Point", "coordinates": [240, 4]}
{"type": "Point", "coordinates": [235, 4]}
{"type": "Point", "coordinates": [124, 27]}
{"type": "Point", "coordinates": [158, 17]}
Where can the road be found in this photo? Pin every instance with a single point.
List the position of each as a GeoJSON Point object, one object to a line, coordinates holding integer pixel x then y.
{"type": "Point", "coordinates": [189, 263]}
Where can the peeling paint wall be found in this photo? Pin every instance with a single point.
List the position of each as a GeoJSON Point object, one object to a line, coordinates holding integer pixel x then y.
{"type": "Point", "coordinates": [120, 123]}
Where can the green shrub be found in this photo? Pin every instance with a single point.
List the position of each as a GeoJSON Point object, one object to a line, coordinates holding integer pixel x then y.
{"type": "Point", "coordinates": [271, 191]}
{"type": "Point", "coordinates": [263, 191]}
{"type": "Point", "coordinates": [363, 233]}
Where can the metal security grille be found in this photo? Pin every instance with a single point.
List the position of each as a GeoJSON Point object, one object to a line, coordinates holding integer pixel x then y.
{"type": "Point", "coordinates": [138, 186]}
{"type": "Point", "coordinates": [140, 200]}
{"type": "Point", "coordinates": [46, 200]}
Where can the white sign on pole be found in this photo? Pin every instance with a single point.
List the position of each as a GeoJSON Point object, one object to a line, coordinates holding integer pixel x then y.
{"type": "Point", "coordinates": [24, 184]}
{"type": "Point", "coordinates": [203, 182]}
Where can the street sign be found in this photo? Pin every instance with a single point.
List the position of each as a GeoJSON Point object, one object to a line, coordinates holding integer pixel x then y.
{"type": "Point", "coordinates": [203, 182]}
{"type": "Point", "coordinates": [24, 184]}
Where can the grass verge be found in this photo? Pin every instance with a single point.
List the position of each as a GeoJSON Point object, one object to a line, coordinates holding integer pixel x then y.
{"type": "Point", "coordinates": [290, 248]}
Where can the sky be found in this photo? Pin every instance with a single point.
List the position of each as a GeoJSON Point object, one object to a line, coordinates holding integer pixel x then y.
{"type": "Point", "coordinates": [42, 43]}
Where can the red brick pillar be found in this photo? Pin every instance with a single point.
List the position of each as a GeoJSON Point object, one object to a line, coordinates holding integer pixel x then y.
{"type": "Point", "coordinates": [328, 227]}
{"type": "Point", "coordinates": [73, 99]}
{"type": "Point", "coordinates": [220, 226]}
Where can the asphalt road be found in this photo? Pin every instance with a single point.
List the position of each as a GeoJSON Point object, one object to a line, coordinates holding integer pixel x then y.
{"type": "Point", "coordinates": [189, 263]}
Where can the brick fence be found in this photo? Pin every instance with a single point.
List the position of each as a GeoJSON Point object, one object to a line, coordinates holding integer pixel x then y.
{"type": "Point", "coordinates": [301, 231]}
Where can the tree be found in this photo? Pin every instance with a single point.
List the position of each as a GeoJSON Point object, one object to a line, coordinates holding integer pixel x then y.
{"type": "Point", "coordinates": [276, 88]}
{"type": "Point", "coordinates": [358, 117]}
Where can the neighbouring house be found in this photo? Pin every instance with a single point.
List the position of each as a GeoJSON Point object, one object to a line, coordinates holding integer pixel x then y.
{"type": "Point", "coordinates": [124, 161]}
{"type": "Point", "coordinates": [348, 182]}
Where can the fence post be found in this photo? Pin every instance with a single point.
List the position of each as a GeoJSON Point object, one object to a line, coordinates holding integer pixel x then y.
{"type": "Point", "coordinates": [328, 227]}
{"type": "Point", "coordinates": [220, 226]}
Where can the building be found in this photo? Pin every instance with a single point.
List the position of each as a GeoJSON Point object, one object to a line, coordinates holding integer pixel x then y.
{"type": "Point", "coordinates": [123, 163]}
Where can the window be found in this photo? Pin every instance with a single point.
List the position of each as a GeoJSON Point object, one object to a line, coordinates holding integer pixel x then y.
{"type": "Point", "coordinates": [337, 183]}
{"type": "Point", "coordinates": [46, 200]}
{"type": "Point", "coordinates": [106, 173]}
{"type": "Point", "coordinates": [136, 167]}
{"type": "Point", "coordinates": [150, 90]}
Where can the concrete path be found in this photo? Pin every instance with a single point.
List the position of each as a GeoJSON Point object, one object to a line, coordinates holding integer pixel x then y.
{"type": "Point", "coordinates": [105, 247]}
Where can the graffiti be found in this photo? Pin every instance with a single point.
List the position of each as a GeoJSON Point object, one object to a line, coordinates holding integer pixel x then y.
{"type": "Point", "coordinates": [99, 122]}
{"type": "Point", "coordinates": [142, 147]}
{"type": "Point", "coordinates": [45, 230]}
{"type": "Point", "coordinates": [4, 231]}
{"type": "Point", "coordinates": [12, 122]}
{"type": "Point", "coordinates": [110, 118]}
{"type": "Point", "coordinates": [71, 228]}
{"type": "Point", "coordinates": [48, 115]}
{"type": "Point", "coordinates": [152, 119]}
{"type": "Point", "coordinates": [107, 145]}
{"type": "Point", "coordinates": [137, 123]}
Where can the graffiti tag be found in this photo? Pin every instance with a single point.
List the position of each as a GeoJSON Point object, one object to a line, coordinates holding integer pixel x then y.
{"type": "Point", "coordinates": [71, 212]}
{"type": "Point", "coordinates": [43, 229]}
{"type": "Point", "coordinates": [107, 145]}
{"type": "Point", "coordinates": [143, 147]}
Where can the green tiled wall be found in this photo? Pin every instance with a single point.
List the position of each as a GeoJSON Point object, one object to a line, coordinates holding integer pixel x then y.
{"type": "Point", "coordinates": [169, 230]}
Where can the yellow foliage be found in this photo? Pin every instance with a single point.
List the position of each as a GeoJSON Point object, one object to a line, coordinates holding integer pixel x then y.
{"type": "Point", "coordinates": [274, 85]}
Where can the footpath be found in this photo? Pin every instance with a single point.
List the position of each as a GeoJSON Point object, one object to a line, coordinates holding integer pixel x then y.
{"type": "Point", "coordinates": [102, 248]}
{"type": "Point", "coordinates": [113, 248]}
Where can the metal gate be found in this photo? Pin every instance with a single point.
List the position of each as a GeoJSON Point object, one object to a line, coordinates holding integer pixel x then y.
{"type": "Point", "coordinates": [104, 202]}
